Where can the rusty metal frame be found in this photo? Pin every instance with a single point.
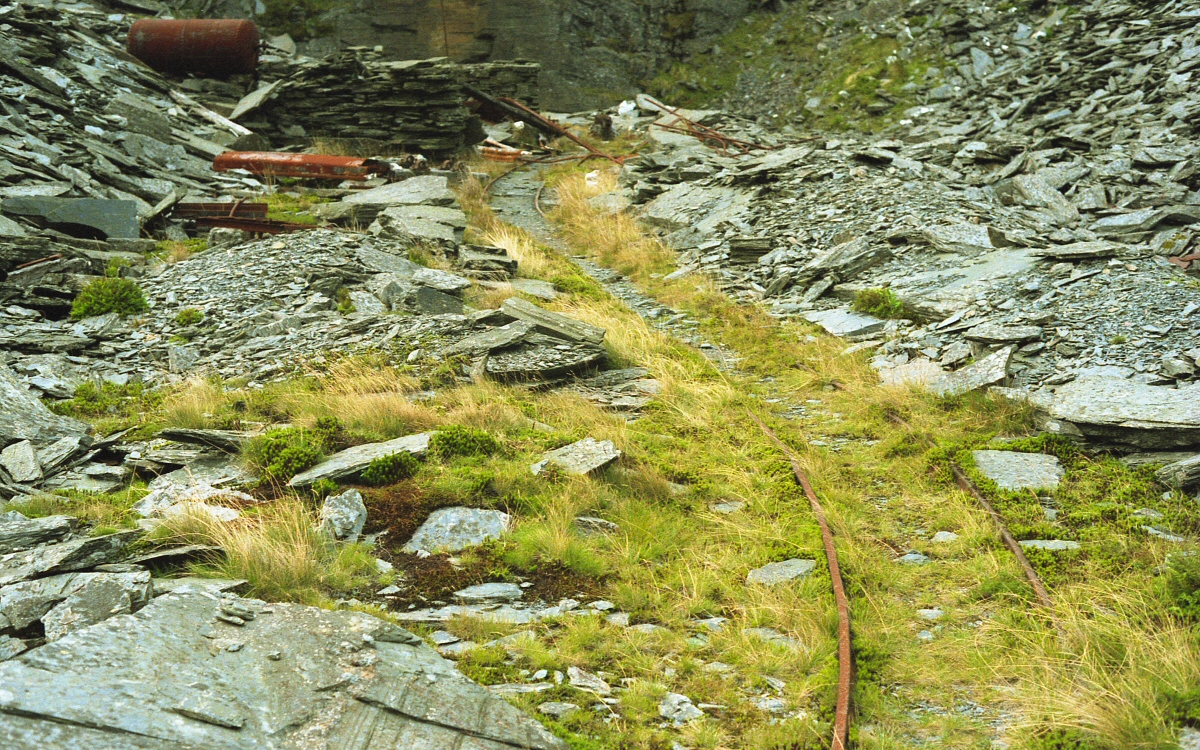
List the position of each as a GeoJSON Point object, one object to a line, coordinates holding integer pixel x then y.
{"type": "Point", "coordinates": [841, 714]}
{"type": "Point", "coordinates": [1039, 589]}
{"type": "Point", "coordinates": [704, 133]}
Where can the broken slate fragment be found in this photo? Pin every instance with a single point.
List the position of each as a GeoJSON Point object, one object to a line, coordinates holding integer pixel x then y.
{"type": "Point", "coordinates": [25, 417]}
{"type": "Point", "coordinates": [352, 461]}
{"type": "Point", "coordinates": [996, 334]}
{"type": "Point", "coordinates": [1019, 471]}
{"type": "Point", "coordinates": [489, 593]}
{"type": "Point", "coordinates": [454, 529]}
{"type": "Point", "coordinates": [779, 572]}
{"type": "Point", "coordinates": [581, 458]}
{"type": "Point", "coordinates": [1129, 413]}
{"type": "Point", "coordinates": [552, 323]}
{"type": "Point", "coordinates": [1079, 251]}
{"type": "Point", "coordinates": [1052, 545]}
{"type": "Point", "coordinates": [85, 217]}
{"type": "Point", "coordinates": [990, 370]}
{"type": "Point", "coordinates": [21, 462]}
{"type": "Point", "coordinates": [18, 532]}
{"type": "Point", "coordinates": [678, 709]}
{"type": "Point", "coordinates": [1182, 475]}
{"type": "Point", "coordinates": [344, 515]}
{"type": "Point", "coordinates": [588, 681]}
{"type": "Point", "coordinates": [843, 322]}
{"type": "Point", "coordinates": [77, 554]}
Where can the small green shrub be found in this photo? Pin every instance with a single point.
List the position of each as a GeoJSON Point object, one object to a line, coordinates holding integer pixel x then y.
{"type": "Point", "coordinates": [284, 453]}
{"type": "Point", "coordinates": [1183, 707]}
{"type": "Point", "coordinates": [457, 440]}
{"type": "Point", "coordinates": [882, 303]}
{"type": "Point", "coordinates": [1061, 739]}
{"type": "Point", "coordinates": [323, 488]}
{"type": "Point", "coordinates": [91, 400]}
{"type": "Point", "coordinates": [113, 269]}
{"type": "Point", "coordinates": [345, 304]}
{"type": "Point", "coordinates": [1183, 585]}
{"type": "Point", "coordinates": [188, 316]}
{"type": "Point", "coordinates": [106, 295]}
{"type": "Point", "coordinates": [330, 431]}
{"type": "Point", "coordinates": [390, 469]}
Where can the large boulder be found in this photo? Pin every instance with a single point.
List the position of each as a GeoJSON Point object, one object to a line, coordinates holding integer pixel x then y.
{"type": "Point", "coordinates": [192, 670]}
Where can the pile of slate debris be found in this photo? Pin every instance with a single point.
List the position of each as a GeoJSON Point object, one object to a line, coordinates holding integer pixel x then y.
{"type": "Point", "coordinates": [1037, 218]}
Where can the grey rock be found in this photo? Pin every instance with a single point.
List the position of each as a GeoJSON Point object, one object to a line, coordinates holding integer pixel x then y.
{"type": "Point", "coordinates": [442, 281]}
{"type": "Point", "coordinates": [492, 339]}
{"type": "Point", "coordinates": [485, 593]}
{"type": "Point", "coordinates": [780, 572]}
{"type": "Point", "coordinates": [77, 554]}
{"type": "Point", "coordinates": [1052, 545]}
{"type": "Point", "coordinates": [588, 525]}
{"type": "Point", "coordinates": [25, 417]}
{"type": "Point", "coordinates": [22, 604]}
{"type": "Point", "coordinates": [454, 529]}
{"type": "Point", "coordinates": [1036, 192]}
{"type": "Point", "coordinates": [113, 219]}
{"type": "Point", "coordinates": [587, 681]}
{"type": "Point", "coordinates": [488, 260]}
{"type": "Point", "coordinates": [1079, 251]}
{"type": "Point", "coordinates": [678, 709]}
{"type": "Point", "coordinates": [1130, 413]}
{"type": "Point", "coordinates": [843, 322]}
{"type": "Point", "coordinates": [18, 532]}
{"type": "Point", "coordinates": [198, 496]}
{"type": "Point", "coordinates": [58, 454]}
{"type": "Point", "coordinates": [229, 441]}
{"type": "Point", "coordinates": [219, 237]}
{"type": "Point", "coordinates": [352, 461]}
{"type": "Point", "coordinates": [943, 537]}
{"type": "Point", "coordinates": [151, 679]}
{"type": "Point", "coordinates": [1019, 471]}
{"type": "Point", "coordinates": [1173, 367]}
{"type": "Point", "coordinates": [102, 596]}
{"type": "Point", "coordinates": [10, 647]}
{"type": "Point", "coordinates": [557, 709]}
{"type": "Point", "coordinates": [21, 462]}
{"type": "Point", "coordinates": [846, 260]}
{"type": "Point", "coordinates": [366, 303]}
{"type": "Point", "coordinates": [400, 224]}
{"type": "Point", "coordinates": [428, 190]}
{"type": "Point", "coordinates": [433, 302]}
{"type": "Point", "coordinates": [344, 515]}
{"type": "Point", "coordinates": [583, 457]}
{"type": "Point", "coordinates": [913, 558]}
{"type": "Point", "coordinates": [1181, 475]}
{"type": "Point", "coordinates": [1166, 536]}
{"type": "Point", "coordinates": [727, 507]}
{"type": "Point", "coordinates": [990, 370]}
{"type": "Point", "coordinates": [995, 334]}
{"type": "Point", "coordinates": [552, 323]}
{"type": "Point", "coordinates": [772, 636]}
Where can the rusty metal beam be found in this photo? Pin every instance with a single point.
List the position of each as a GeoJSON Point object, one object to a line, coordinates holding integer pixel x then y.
{"type": "Point", "coordinates": [841, 713]}
{"type": "Point", "coordinates": [310, 166]}
{"type": "Point", "coordinates": [1039, 589]}
{"type": "Point", "coordinates": [247, 224]}
{"type": "Point", "coordinates": [237, 209]}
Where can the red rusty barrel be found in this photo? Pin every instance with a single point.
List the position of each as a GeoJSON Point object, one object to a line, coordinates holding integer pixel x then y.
{"type": "Point", "coordinates": [215, 48]}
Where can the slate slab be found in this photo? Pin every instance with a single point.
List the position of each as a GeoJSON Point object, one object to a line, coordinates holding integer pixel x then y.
{"type": "Point", "coordinates": [1182, 475]}
{"type": "Point", "coordinates": [1052, 545]}
{"type": "Point", "coordinates": [21, 462]}
{"type": "Point", "coordinates": [1130, 413]}
{"type": "Point", "coordinates": [77, 554]}
{"type": "Point", "coordinates": [25, 417]}
{"type": "Point", "coordinates": [1019, 471]}
{"type": "Point", "coordinates": [781, 572]}
{"type": "Point", "coordinates": [552, 323]}
{"type": "Point", "coordinates": [454, 529]}
{"type": "Point", "coordinates": [171, 676]}
{"type": "Point", "coordinates": [112, 219]}
{"type": "Point", "coordinates": [491, 339]}
{"type": "Point", "coordinates": [344, 515]}
{"type": "Point", "coordinates": [18, 532]}
{"type": "Point", "coordinates": [844, 322]}
{"type": "Point", "coordinates": [990, 370]}
{"type": "Point", "coordinates": [429, 190]}
{"type": "Point", "coordinates": [352, 461]}
{"type": "Point", "coordinates": [580, 458]}
{"type": "Point", "coordinates": [486, 593]}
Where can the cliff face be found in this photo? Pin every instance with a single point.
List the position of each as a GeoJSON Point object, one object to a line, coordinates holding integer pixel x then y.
{"type": "Point", "coordinates": [593, 52]}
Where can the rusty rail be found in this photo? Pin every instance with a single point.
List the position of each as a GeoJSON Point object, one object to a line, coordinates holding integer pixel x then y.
{"type": "Point", "coordinates": [237, 209]}
{"type": "Point", "coordinates": [841, 715]}
{"type": "Point", "coordinates": [311, 166]}
{"type": "Point", "coordinates": [1039, 589]}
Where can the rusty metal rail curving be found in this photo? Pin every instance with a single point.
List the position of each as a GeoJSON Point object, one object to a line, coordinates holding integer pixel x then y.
{"type": "Point", "coordinates": [1039, 589]}
{"type": "Point", "coordinates": [841, 715]}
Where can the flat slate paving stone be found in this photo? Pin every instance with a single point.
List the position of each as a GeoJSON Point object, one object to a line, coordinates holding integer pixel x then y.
{"type": "Point", "coordinates": [843, 322]}
{"type": "Point", "coordinates": [1018, 471]}
{"type": "Point", "coordinates": [779, 572]}
{"type": "Point", "coordinates": [489, 592]}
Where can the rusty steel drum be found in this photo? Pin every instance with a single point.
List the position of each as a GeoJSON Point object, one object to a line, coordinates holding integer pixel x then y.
{"type": "Point", "coordinates": [210, 48]}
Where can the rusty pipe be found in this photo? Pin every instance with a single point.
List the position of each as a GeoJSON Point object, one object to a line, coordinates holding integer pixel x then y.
{"type": "Point", "coordinates": [315, 166]}
{"type": "Point", "coordinates": [218, 48]}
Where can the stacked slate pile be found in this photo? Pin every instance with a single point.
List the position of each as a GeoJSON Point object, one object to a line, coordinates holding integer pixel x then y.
{"type": "Point", "coordinates": [515, 79]}
{"type": "Point", "coordinates": [411, 104]}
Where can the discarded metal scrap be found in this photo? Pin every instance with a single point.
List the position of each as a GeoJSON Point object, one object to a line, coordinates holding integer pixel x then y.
{"type": "Point", "coordinates": [312, 166]}
{"type": "Point", "coordinates": [502, 106]}
{"type": "Point", "coordinates": [708, 136]}
{"type": "Point", "coordinates": [250, 224]}
{"type": "Point", "coordinates": [219, 48]}
{"type": "Point", "coordinates": [237, 209]}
